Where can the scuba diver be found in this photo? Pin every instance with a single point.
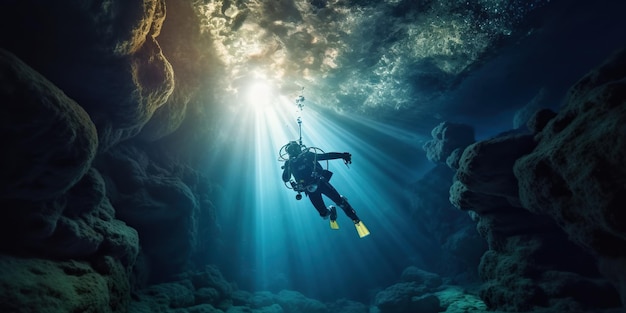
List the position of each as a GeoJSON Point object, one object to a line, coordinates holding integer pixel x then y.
{"type": "Point", "coordinates": [312, 179]}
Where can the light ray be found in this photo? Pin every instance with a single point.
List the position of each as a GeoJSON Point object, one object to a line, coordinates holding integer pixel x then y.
{"type": "Point", "coordinates": [282, 243]}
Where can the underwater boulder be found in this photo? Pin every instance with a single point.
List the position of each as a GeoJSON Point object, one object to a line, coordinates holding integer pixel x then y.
{"type": "Point", "coordinates": [456, 300]}
{"type": "Point", "coordinates": [178, 294]}
{"type": "Point", "coordinates": [348, 306]}
{"type": "Point", "coordinates": [153, 194]}
{"type": "Point", "coordinates": [452, 161]}
{"type": "Point", "coordinates": [430, 205]}
{"type": "Point", "coordinates": [525, 114]}
{"type": "Point", "coordinates": [75, 229]}
{"type": "Point", "coordinates": [167, 118]}
{"type": "Point", "coordinates": [54, 201]}
{"type": "Point", "coordinates": [398, 297]}
{"type": "Point", "coordinates": [447, 137]}
{"type": "Point", "coordinates": [294, 302]}
{"type": "Point", "coordinates": [261, 299]}
{"type": "Point", "coordinates": [274, 308]}
{"type": "Point", "coordinates": [48, 139]}
{"type": "Point", "coordinates": [192, 291]}
{"type": "Point", "coordinates": [487, 166]}
{"type": "Point", "coordinates": [419, 276]}
{"type": "Point", "coordinates": [425, 304]}
{"type": "Point", "coordinates": [38, 285]}
{"type": "Point", "coordinates": [576, 173]}
{"type": "Point", "coordinates": [104, 55]}
{"type": "Point", "coordinates": [467, 246]}
{"type": "Point", "coordinates": [79, 225]}
{"type": "Point", "coordinates": [529, 273]}
{"type": "Point", "coordinates": [539, 120]}
{"type": "Point", "coordinates": [521, 244]}
{"type": "Point", "coordinates": [211, 285]}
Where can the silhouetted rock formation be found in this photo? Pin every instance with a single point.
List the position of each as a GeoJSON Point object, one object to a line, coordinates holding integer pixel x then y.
{"type": "Point", "coordinates": [166, 202]}
{"type": "Point", "coordinates": [459, 246]}
{"type": "Point", "coordinates": [95, 77]}
{"type": "Point", "coordinates": [103, 56]}
{"type": "Point", "coordinates": [522, 245]}
{"type": "Point", "coordinates": [576, 174]}
{"type": "Point", "coordinates": [49, 139]}
{"type": "Point", "coordinates": [569, 177]}
{"type": "Point", "coordinates": [54, 205]}
{"type": "Point", "coordinates": [456, 245]}
{"type": "Point", "coordinates": [449, 140]}
{"type": "Point", "coordinates": [424, 292]}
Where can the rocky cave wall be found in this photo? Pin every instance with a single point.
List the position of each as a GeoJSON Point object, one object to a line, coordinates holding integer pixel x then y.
{"type": "Point", "coordinates": [548, 199]}
{"type": "Point", "coordinates": [456, 245]}
{"type": "Point", "coordinates": [93, 190]}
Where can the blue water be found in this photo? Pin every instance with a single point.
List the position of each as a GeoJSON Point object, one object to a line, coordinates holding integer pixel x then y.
{"type": "Point", "coordinates": [271, 241]}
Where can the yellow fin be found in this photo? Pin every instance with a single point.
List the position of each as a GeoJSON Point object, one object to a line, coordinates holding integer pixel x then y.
{"type": "Point", "coordinates": [361, 229]}
{"type": "Point", "coordinates": [334, 224]}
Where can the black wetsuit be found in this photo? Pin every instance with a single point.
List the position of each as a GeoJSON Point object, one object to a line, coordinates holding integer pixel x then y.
{"type": "Point", "coordinates": [310, 174]}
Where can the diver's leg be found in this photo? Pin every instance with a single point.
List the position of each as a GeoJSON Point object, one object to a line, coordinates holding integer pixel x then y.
{"type": "Point", "coordinates": [318, 203]}
{"type": "Point", "coordinates": [330, 191]}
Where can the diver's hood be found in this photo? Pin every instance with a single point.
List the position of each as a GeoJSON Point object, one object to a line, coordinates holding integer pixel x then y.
{"type": "Point", "coordinates": [293, 148]}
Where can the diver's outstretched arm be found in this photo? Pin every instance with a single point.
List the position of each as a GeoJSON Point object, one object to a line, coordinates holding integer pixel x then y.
{"type": "Point", "coordinates": [335, 155]}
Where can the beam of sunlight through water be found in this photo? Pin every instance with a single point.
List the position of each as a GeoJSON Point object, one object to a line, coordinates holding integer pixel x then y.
{"type": "Point", "coordinates": [273, 241]}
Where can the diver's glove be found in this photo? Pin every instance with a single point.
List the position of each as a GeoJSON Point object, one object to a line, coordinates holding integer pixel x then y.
{"type": "Point", "coordinates": [347, 157]}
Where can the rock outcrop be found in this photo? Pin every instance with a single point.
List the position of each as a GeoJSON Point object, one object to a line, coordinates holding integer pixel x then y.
{"type": "Point", "coordinates": [421, 291]}
{"type": "Point", "coordinates": [54, 205]}
{"type": "Point", "coordinates": [528, 254]}
{"type": "Point", "coordinates": [39, 285]}
{"type": "Point", "coordinates": [545, 197]}
{"type": "Point", "coordinates": [77, 80]}
{"type": "Point", "coordinates": [103, 55]}
{"type": "Point", "coordinates": [458, 246]}
{"type": "Point", "coordinates": [48, 139]}
{"type": "Point", "coordinates": [449, 140]}
{"type": "Point", "coordinates": [166, 202]}
{"type": "Point", "coordinates": [576, 173]}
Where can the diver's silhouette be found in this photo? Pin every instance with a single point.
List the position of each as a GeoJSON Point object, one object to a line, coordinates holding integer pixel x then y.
{"type": "Point", "coordinates": [312, 179]}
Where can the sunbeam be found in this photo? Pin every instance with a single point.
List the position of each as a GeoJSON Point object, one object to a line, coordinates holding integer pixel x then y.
{"type": "Point", "coordinates": [282, 243]}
